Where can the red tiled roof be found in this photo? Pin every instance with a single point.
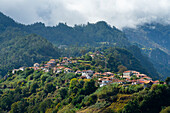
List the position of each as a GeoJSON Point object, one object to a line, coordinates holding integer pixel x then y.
{"type": "Point", "coordinates": [67, 69]}
{"type": "Point", "coordinates": [147, 77]}
{"type": "Point", "coordinates": [60, 67]}
{"type": "Point", "coordinates": [127, 71]}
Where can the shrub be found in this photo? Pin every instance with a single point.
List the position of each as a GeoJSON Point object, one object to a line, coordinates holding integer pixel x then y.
{"type": "Point", "coordinates": [49, 87]}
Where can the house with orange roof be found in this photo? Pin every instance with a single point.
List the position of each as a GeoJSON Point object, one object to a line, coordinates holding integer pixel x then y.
{"type": "Point", "coordinates": [129, 73]}
{"type": "Point", "coordinates": [147, 78]}
{"type": "Point", "coordinates": [87, 72]}
{"type": "Point", "coordinates": [105, 82]}
{"type": "Point", "coordinates": [36, 65]}
{"type": "Point", "coordinates": [118, 81]}
{"type": "Point", "coordinates": [97, 74]}
{"type": "Point", "coordinates": [67, 70]}
{"type": "Point", "coordinates": [60, 68]}
{"type": "Point", "coordinates": [108, 74]}
{"type": "Point", "coordinates": [133, 82]}
{"type": "Point", "coordinates": [78, 72]}
{"type": "Point", "coordinates": [141, 75]}
{"type": "Point", "coordinates": [156, 82]}
{"type": "Point", "coordinates": [51, 63]}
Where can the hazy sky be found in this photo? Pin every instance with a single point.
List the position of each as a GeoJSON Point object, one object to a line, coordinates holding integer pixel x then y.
{"type": "Point", "coordinates": [119, 13]}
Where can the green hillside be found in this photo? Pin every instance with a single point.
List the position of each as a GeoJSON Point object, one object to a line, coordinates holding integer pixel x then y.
{"type": "Point", "coordinates": [72, 41]}
{"type": "Point", "coordinates": [21, 49]}
{"type": "Point", "coordinates": [69, 92]}
{"type": "Point", "coordinates": [94, 35]}
{"type": "Point", "coordinates": [153, 39]}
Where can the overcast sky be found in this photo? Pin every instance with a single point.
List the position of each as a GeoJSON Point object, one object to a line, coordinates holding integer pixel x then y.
{"type": "Point", "coordinates": [119, 13]}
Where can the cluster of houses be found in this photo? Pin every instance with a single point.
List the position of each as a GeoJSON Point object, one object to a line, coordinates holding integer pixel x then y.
{"type": "Point", "coordinates": [51, 65]}
{"type": "Point", "coordinates": [126, 78]}
{"type": "Point", "coordinates": [58, 66]}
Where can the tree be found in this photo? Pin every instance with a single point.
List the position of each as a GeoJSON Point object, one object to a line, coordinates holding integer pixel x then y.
{"type": "Point", "coordinates": [18, 107]}
{"type": "Point", "coordinates": [14, 108]}
{"type": "Point", "coordinates": [121, 68]}
{"type": "Point", "coordinates": [63, 92]}
{"type": "Point", "coordinates": [88, 58]}
{"type": "Point", "coordinates": [49, 87]}
{"type": "Point", "coordinates": [44, 105]}
{"type": "Point", "coordinates": [167, 80]}
{"type": "Point", "coordinates": [131, 107]}
{"type": "Point", "coordinates": [89, 87]}
{"type": "Point", "coordinates": [33, 87]}
{"type": "Point", "coordinates": [166, 110]}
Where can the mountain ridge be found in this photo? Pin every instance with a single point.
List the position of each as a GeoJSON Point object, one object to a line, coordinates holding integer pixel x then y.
{"type": "Point", "coordinates": [98, 35]}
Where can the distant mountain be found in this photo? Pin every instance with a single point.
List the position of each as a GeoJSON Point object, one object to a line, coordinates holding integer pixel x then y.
{"type": "Point", "coordinates": [75, 40]}
{"type": "Point", "coordinates": [94, 35]}
{"type": "Point", "coordinates": [7, 22]}
{"type": "Point", "coordinates": [152, 35]}
{"type": "Point", "coordinates": [21, 49]}
{"type": "Point", "coordinates": [154, 41]}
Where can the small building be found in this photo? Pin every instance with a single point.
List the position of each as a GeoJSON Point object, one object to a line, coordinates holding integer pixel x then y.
{"type": "Point", "coordinates": [105, 82]}
{"type": "Point", "coordinates": [35, 68]}
{"type": "Point", "coordinates": [108, 74]}
{"type": "Point", "coordinates": [141, 75]}
{"type": "Point", "coordinates": [54, 70]}
{"type": "Point", "coordinates": [147, 78]}
{"type": "Point", "coordinates": [36, 65]}
{"type": "Point", "coordinates": [97, 74]}
{"type": "Point", "coordinates": [60, 68]}
{"type": "Point", "coordinates": [22, 68]}
{"type": "Point", "coordinates": [87, 72]}
{"type": "Point", "coordinates": [46, 70]}
{"type": "Point", "coordinates": [67, 70]}
{"type": "Point", "coordinates": [14, 71]}
{"type": "Point", "coordinates": [78, 72]}
{"type": "Point", "coordinates": [92, 55]}
{"type": "Point", "coordinates": [156, 82]}
{"type": "Point", "coordinates": [129, 73]}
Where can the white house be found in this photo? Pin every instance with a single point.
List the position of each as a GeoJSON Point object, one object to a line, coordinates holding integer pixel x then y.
{"type": "Point", "coordinates": [36, 65]}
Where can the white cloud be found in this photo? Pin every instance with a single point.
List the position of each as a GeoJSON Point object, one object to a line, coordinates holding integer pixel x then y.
{"type": "Point", "coordinates": [119, 13]}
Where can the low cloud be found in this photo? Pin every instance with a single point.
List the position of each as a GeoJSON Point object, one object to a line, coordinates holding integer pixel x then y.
{"type": "Point", "coordinates": [119, 13]}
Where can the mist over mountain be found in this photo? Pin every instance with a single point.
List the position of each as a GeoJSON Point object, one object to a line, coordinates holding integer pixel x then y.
{"type": "Point", "coordinates": [152, 35]}
{"type": "Point", "coordinates": [98, 35]}
{"type": "Point", "coordinates": [154, 41]}
{"type": "Point", "coordinates": [84, 56]}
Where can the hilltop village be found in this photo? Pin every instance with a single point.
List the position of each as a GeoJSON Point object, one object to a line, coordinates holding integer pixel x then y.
{"type": "Point", "coordinates": [67, 65]}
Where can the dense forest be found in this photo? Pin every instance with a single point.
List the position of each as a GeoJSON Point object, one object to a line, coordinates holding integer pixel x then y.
{"type": "Point", "coordinates": [153, 39]}
{"type": "Point", "coordinates": [58, 85]}
{"type": "Point", "coordinates": [21, 49]}
{"type": "Point", "coordinates": [67, 92]}
{"type": "Point", "coordinates": [71, 41]}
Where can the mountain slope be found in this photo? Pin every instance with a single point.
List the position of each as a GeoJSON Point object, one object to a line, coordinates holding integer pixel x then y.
{"type": "Point", "coordinates": [152, 35]}
{"type": "Point", "coordinates": [96, 34]}
{"type": "Point", "coordinates": [7, 22]}
{"type": "Point", "coordinates": [153, 39]}
{"type": "Point", "coordinates": [77, 39]}
{"type": "Point", "coordinates": [21, 49]}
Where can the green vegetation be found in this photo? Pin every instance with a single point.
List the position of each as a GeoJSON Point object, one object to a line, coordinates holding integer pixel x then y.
{"type": "Point", "coordinates": [72, 41]}
{"type": "Point", "coordinates": [19, 49]}
{"type": "Point", "coordinates": [39, 91]}
{"type": "Point", "coordinates": [153, 39]}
